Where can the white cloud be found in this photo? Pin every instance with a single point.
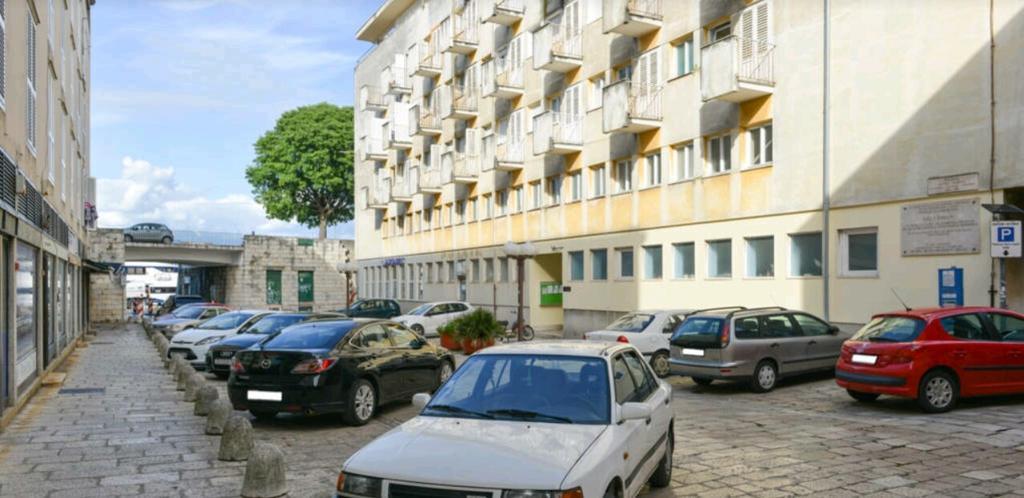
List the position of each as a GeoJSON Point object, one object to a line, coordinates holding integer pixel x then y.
{"type": "Point", "coordinates": [146, 192]}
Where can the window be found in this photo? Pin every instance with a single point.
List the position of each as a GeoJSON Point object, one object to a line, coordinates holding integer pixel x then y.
{"type": "Point", "coordinates": [518, 194]}
{"type": "Point", "coordinates": [596, 92]}
{"type": "Point", "coordinates": [625, 388]}
{"type": "Point", "coordinates": [487, 207]}
{"type": "Point", "coordinates": [30, 107]}
{"type": "Point", "coordinates": [501, 199]}
{"type": "Point", "coordinates": [554, 190]}
{"type": "Point", "coordinates": [305, 286]}
{"type": "Point", "coordinates": [273, 286]}
{"type": "Point", "coordinates": [720, 259]}
{"type": "Point", "coordinates": [811, 326]}
{"type": "Point", "coordinates": [684, 57]}
{"type": "Point", "coordinates": [51, 125]}
{"type": "Point", "coordinates": [472, 210]}
{"type": "Point", "coordinates": [598, 181]}
{"type": "Point", "coordinates": [489, 270]}
{"type": "Point", "coordinates": [535, 196]}
{"type": "Point", "coordinates": [460, 211]}
{"type": "Point", "coordinates": [684, 162]}
{"type": "Point", "coordinates": [576, 186]}
{"type": "Point", "coordinates": [720, 32]}
{"type": "Point", "coordinates": [643, 382]}
{"type": "Point", "coordinates": [400, 336]}
{"type": "Point", "coordinates": [748, 327]}
{"type": "Point", "coordinates": [720, 154]}
{"type": "Point", "coordinates": [576, 265]}
{"type": "Point", "coordinates": [805, 255]}
{"type": "Point", "coordinates": [652, 262]}
{"type": "Point", "coordinates": [684, 266]}
{"type": "Point", "coordinates": [761, 257]}
{"type": "Point", "coordinates": [773, 326]}
{"type": "Point", "coordinates": [475, 276]}
{"type": "Point", "coordinates": [599, 264]}
{"type": "Point", "coordinates": [652, 169]}
{"type": "Point", "coordinates": [859, 252]}
{"type": "Point", "coordinates": [624, 176]}
{"type": "Point", "coordinates": [760, 145]}
{"type": "Point", "coordinates": [967, 327]}
{"type": "Point", "coordinates": [1010, 328]}
{"type": "Point", "coordinates": [503, 270]}
{"type": "Point", "coordinates": [427, 218]}
{"type": "Point", "coordinates": [625, 256]}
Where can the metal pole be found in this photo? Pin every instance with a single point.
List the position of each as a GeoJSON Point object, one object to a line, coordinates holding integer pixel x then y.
{"type": "Point", "coordinates": [348, 289]}
{"type": "Point", "coordinates": [519, 313]}
{"type": "Point", "coordinates": [1002, 283]}
{"type": "Point", "coordinates": [825, 193]}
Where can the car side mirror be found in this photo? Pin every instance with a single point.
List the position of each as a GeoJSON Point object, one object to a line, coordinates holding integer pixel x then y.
{"type": "Point", "coordinates": [832, 329]}
{"type": "Point", "coordinates": [419, 400]}
{"type": "Point", "coordinates": [635, 411]}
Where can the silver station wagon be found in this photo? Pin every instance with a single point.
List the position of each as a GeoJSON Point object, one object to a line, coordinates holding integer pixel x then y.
{"type": "Point", "coordinates": [758, 345]}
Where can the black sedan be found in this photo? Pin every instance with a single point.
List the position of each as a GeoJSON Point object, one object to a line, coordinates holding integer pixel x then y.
{"type": "Point", "coordinates": [346, 366]}
{"type": "Point", "coordinates": [220, 355]}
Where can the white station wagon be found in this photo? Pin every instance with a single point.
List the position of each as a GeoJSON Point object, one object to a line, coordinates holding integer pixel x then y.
{"type": "Point", "coordinates": [566, 419]}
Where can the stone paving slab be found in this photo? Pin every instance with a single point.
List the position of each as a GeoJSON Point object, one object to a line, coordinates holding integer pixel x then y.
{"type": "Point", "coordinates": [807, 438]}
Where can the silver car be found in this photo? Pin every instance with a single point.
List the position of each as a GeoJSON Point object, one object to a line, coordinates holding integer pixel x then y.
{"type": "Point", "coordinates": [757, 345]}
{"type": "Point", "coordinates": [149, 232]}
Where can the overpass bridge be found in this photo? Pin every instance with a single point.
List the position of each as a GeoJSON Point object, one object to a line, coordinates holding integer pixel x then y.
{"type": "Point", "coordinates": [185, 253]}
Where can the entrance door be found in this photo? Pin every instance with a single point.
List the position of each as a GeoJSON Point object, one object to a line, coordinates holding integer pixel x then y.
{"type": "Point", "coordinates": [5, 331]}
{"type": "Point", "coordinates": [49, 337]}
{"type": "Point", "coordinates": [544, 286]}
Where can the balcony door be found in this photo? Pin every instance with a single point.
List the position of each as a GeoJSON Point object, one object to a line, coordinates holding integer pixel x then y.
{"type": "Point", "coordinates": [753, 28]}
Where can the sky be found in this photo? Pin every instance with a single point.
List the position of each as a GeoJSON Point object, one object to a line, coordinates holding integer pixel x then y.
{"type": "Point", "coordinates": [181, 89]}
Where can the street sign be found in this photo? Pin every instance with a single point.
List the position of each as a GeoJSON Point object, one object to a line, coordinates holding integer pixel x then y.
{"type": "Point", "coordinates": [550, 293]}
{"type": "Point", "coordinates": [1006, 239]}
{"type": "Point", "coordinates": [951, 287]}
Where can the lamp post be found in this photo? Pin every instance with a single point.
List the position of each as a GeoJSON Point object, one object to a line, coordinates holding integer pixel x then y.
{"type": "Point", "coordinates": [349, 269]}
{"type": "Point", "coordinates": [520, 252]}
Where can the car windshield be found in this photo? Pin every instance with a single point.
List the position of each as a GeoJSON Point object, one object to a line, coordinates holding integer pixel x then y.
{"type": "Point", "coordinates": [421, 309]}
{"type": "Point", "coordinates": [274, 323]}
{"type": "Point", "coordinates": [226, 321]}
{"type": "Point", "coordinates": [189, 313]}
{"type": "Point", "coordinates": [535, 388]}
{"type": "Point", "coordinates": [310, 336]}
{"type": "Point", "coordinates": [890, 329]}
{"type": "Point", "coordinates": [633, 322]}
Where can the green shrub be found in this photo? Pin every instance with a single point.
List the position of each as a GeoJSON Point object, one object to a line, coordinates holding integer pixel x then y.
{"type": "Point", "coordinates": [478, 324]}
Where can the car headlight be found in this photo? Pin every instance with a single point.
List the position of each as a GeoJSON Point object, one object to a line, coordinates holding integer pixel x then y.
{"type": "Point", "coordinates": [356, 485]}
{"type": "Point", "coordinates": [529, 493]}
{"type": "Point", "coordinates": [209, 340]}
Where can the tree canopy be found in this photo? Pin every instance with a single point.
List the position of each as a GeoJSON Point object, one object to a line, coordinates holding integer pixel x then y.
{"type": "Point", "coordinates": [303, 168]}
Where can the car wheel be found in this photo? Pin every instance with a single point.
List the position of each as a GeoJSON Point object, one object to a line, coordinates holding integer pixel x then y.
{"type": "Point", "coordinates": [702, 381]}
{"type": "Point", "coordinates": [862, 397]}
{"type": "Point", "coordinates": [660, 364]}
{"type": "Point", "coordinates": [938, 392]}
{"type": "Point", "coordinates": [765, 377]}
{"type": "Point", "coordinates": [445, 372]}
{"type": "Point", "coordinates": [361, 403]}
{"type": "Point", "coordinates": [417, 328]}
{"type": "Point", "coordinates": [127, 238]}
{"type": "Point", "coordinates": [662, 476]}
{"type": "Point", "coordinates": [263, 415]}
{"type": "Point", "coordinates": [612, 491]}
{"type": "Point", "coordinates": [166, 240]}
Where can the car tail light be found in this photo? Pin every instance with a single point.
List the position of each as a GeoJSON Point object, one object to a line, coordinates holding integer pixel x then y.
{"type": "Point", "coordinates": [236, 366]}
{"type": "Point", "coordinates": [725, 335]}
{"type": "Point", "coordinates": [341, 482]}
{"type": "Point", "coordinates": [623, 339]}
{"type": "Point", "coordinates": [313, 366]}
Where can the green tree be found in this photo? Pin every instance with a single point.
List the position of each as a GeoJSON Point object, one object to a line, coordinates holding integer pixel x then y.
{"type": "Point", "coordinates": [303, 167]}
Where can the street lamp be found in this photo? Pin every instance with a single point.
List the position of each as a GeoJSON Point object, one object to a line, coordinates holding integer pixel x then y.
{"type": "Point", "coordinates": [349, 269]}
{"type": "Point", "coordinates": [520, 252]}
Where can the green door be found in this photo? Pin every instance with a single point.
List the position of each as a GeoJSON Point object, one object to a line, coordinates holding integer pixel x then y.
{"type": "Point", "coordinates": [305, 286]}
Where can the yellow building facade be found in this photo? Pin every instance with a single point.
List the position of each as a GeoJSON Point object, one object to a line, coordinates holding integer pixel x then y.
{"type": "Point", "coordinates": [673, 155]}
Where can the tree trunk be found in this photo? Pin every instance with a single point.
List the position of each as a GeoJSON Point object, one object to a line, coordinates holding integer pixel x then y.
{"type": "Point", "coordinates": [323, 227]}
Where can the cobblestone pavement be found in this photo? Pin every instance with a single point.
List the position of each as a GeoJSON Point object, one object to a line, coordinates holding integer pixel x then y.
{"type": "Point", "coordinates": [805, 438]}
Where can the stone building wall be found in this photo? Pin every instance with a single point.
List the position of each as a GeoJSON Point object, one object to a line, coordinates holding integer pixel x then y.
{"type": "Point", "coordinates": [106, 295]}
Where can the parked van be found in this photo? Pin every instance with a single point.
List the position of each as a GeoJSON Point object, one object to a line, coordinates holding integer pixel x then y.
{"type": "Point", "coordinates": [756, 345]}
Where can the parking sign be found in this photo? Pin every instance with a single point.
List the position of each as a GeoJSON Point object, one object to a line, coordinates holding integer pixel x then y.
{"type": "Point", "coordinates": [1006, 239]}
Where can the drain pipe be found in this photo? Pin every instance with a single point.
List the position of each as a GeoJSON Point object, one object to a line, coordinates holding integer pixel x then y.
{"type": "Point", "coordinates": [825, 193]}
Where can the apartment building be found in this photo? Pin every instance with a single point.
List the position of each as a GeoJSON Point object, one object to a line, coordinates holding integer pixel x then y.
{"type": "Point", "coordinates": [46, 193]}
{"type": "Point", "coordinates": [673, 154]}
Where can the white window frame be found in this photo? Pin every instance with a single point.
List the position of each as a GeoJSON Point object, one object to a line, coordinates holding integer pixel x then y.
{"type": "Point", "coordinates": [536, 195]}
{"type": "Point", "coordinates": [686, 66]}
{"type": "Point", "coordinates": [520, 204]}
{"type": "Point", "coordinates": [652, 169]}
{"type": "Point", "coordinates": [844, 253]}
{"type": "Point", "coordinates": [31, 102]}
{"type": "Point", "coordinates": [599, 181]}
{"type": "Point", "coordinates": [725, 154]}
{"type": "Point", "coordinates": [757, 135]}
{"type": "Point", "coordinates": [685, 169]}
{"type": "Point", "coordinates": [792, 263]}
{"type": "Point", "coordinates": [710, 254]}
{"type": "Point", "coordinates": [619, 252]}
{"type": "Point", "coordinates": [676, 270]}
{"type": "Point", "coordinates": [751, 257]}
{"type": "Point", "coordinates": [597, 84]}
{"type": "Point", "coordinates": [553, 188]}
{"type": "Point", "coordinates": [576, 186]}
{"type": "Point", "coordinates": [661, 257]}
{"type": "Point", "coordinates": [623, 182]}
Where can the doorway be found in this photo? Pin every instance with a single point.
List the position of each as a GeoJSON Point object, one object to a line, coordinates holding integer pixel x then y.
{"type": "Point", "coordinates": [544, 286]}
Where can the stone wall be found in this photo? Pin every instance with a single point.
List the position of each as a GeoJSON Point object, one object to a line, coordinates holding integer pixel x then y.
{"type": "Point", "coordinates": [106, 299]}
{"type": "Point", "coordinates": [246, 284]}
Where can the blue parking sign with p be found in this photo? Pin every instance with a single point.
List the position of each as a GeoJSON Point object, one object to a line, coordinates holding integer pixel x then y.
{"type": "Point", "coordinates": [1006, 234]}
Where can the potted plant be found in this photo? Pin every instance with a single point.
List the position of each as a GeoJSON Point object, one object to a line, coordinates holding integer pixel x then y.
{"type": "Point", "coordinates": [449, 336]}
{"type": "Point", "coordinates": [477, 330]}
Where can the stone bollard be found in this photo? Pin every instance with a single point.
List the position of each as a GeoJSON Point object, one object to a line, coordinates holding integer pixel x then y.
{"type": "Point", "coordinates": [184, 372]}
{"type": "Point", "coordinates": [193, 384]}
{"type": "Point", "coordinates": [265, 473]}
{"type": "Point", "coordinates": [236, 442]}
{"type": "Point", "coordinates": [220, 410]}
{"type": "Point", "coordinates": [204, 400]}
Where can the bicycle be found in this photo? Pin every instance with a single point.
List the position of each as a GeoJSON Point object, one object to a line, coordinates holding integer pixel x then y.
{"type": "Point", "coordinates": [510, 331]}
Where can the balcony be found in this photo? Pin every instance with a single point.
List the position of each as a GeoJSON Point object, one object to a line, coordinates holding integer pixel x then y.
{"type": "Point", "coordinates": [630, 107]}
{"type": "Point", "coordinates": [632, 17]}
{"type": "Point", "coordinates": [430, 181]}
{"type": "Point", "coordinates": [506, 12]}
{"type": "Point", "coordinates": [399, 139]}
{"type": "Point", "coordinates": [556, 49]}
{"type": "Point", "coordinates": [378, 195]}
{"type": "Point", "coordinates": [429, 60]}
{"type": "Point", "coordinates": [405, 187]}
{"type": "Point", "coordinates": [373, 100]}
{"type": "Point", "coordinates": [458, 103]}
{"type": "Point", "coordinates": [503, 80]}
{"type": "Point", "coordinates": [398, 81]}
{"type": "Point", "coordinates": [737, 69]}
{"type": "Point", "coordinates": [373, 149]}
{"type": "Point", "coordinates": [510, 155]}
{"type": "Point", "coordinates": [459, 167]}
{"type": "Point", "coordinates": [557, 133]}
{"type": "Point", "coordinates": [424, 122]}
{"type": "Point", "coordinates": [460, 34]}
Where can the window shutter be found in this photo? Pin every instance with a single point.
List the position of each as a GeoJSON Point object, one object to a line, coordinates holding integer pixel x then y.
{"type": "Point", "coordinates": [471, 142]}
{"type": "Point", "coordinates": [3, 50]}
{"type": "Point", "coordinates": [654, 79]}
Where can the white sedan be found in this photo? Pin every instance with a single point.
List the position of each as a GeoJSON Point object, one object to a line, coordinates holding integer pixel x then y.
{"type": "Point", "coordinates": [192, 343]}
{"type": "Point", "coordinates": [649, 331]}
{"type": "Point", "coordinates": [567, 419]}
{"type": "Point", "coordinates": [426, 318]}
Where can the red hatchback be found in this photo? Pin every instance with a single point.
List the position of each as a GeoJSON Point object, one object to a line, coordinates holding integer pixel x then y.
{"type": "Point", "coordinates": [935, 355]}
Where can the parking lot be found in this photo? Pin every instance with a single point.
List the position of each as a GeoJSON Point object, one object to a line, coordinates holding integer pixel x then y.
{"type": "Point", "coordinates": [805, 438]}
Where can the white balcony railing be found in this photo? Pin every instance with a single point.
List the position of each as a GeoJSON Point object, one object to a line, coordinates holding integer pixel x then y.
{"type": "Point", "coordinates": [405, 187]}
{"type": "Point", "coordinates": [373, 99]}
{"type": "Point", "coordinates": [379, 193]}
{"type": "Point", "coordinates": [430, 59]}
{"type": "Point", "coordinates": [566, 44]}
{"type": "Point", "coordinates": [645, 102]}
{"type": "Point", "coordinates": [567, 129]}
{"type": "Point", "coordinates": [511, 151]}
{"type": "Point", "coordinates": [737, 69]}
{"type": "Point", "coordinates": [374, 147]}
{"type": "Point", "coordinates": [510, 76]}
{"type": "Point", "coordinates": [644, 8]}
{"type": "Point", "coordinates": [430, 179]}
